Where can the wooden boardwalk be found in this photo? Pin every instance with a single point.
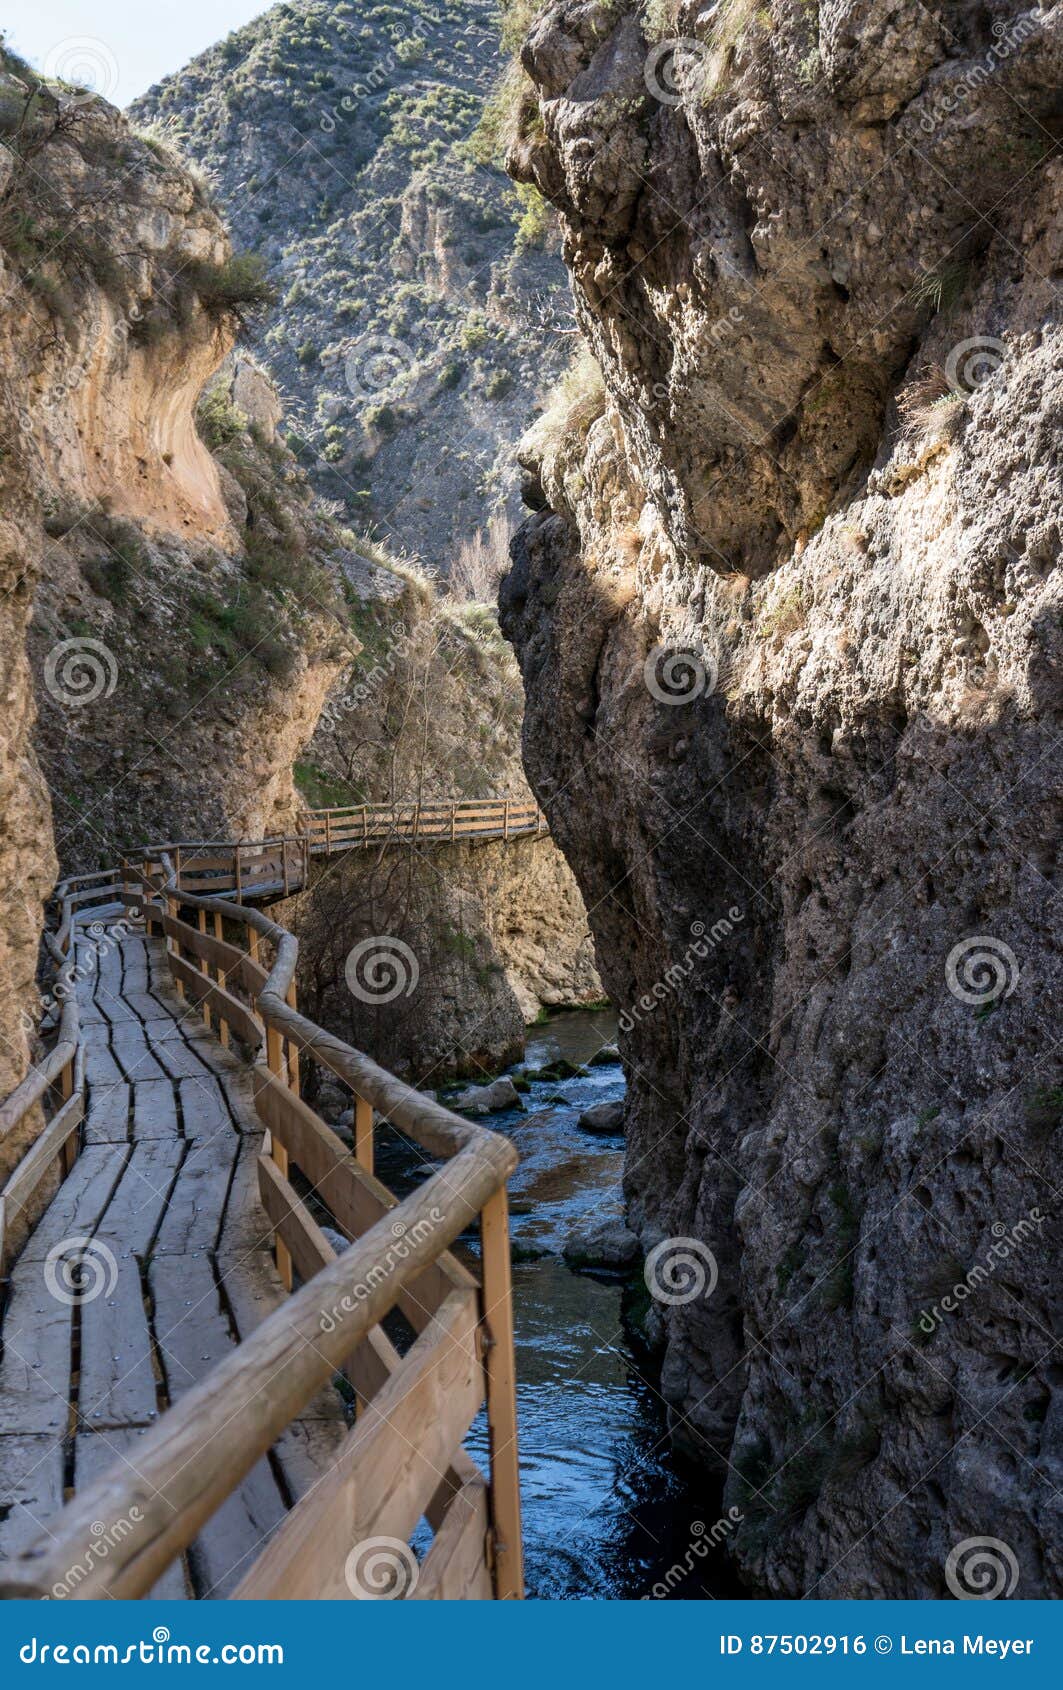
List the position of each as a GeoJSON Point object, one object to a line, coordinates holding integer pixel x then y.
{"type": "Point", "coordinates": [181, 1343]}
{"type": "Point", "coordinates": [162, 1208]}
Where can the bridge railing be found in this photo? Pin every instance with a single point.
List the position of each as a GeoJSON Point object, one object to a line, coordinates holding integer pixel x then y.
{"type": "Point", "coordinates": [403, 1459]}
{"type": "Point", "coordinates": [473, 818]}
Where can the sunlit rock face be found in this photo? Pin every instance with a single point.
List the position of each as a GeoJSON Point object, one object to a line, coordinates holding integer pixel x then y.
{"type": "Point", "coordinates": [787, 612]}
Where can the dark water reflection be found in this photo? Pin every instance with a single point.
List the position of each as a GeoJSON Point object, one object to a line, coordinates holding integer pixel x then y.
{"type": "Point", "coordinates": [608, 1509]}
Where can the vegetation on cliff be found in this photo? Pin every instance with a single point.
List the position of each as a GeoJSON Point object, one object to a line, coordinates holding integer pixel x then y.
{"type": "Point", "coordinates": [416, 282]}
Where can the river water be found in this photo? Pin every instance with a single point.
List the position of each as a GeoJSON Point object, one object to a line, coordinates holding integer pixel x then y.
{"type": "Point", "coordinates": [608, 1509]}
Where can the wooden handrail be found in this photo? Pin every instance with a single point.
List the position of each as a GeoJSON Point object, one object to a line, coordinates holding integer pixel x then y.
{"type": "Point", "coordinates": [202, 1447]}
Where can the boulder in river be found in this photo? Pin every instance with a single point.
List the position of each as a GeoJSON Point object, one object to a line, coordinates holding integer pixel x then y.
{"type": "Point", "coordinates": [486, 1100]}
{"type": "Point", "coordinates": [562, 1069]}
{"type": "Point", "coordinates": [605, 1058]}
{"type": "Point", "coordinates": [601, 1241]}
{"type": "Point", "coordinates": [604, 1119]}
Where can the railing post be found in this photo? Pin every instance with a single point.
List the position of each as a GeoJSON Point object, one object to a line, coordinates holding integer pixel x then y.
{"type": "Point", "coordinates": [239, 885]}
{"type": "Point", "coordinates": [279, 1155]}
{"type": "Point", "coordinates": [204, 965]}
{"type": "Point", "coordinates": [284, 864]}
{"type": "Point", "coordinates": [453, 822]}
{"type": "Point", "coordinates": [328, 833]}
{"type": "Point", "coordinates": [293, 1048]}
{"type": "Point", "coordinates": [145, 887]}
{"type": "Point", "coordinates": [500, 1364]}
{"type": "Point", "coordinates": [365, 824]}
{"type": "Point", "coordinates": [70, 1148]}
{"type": "Point", "coordinates": [505, 824]}
{"type": "Point", "coordinates": [363, 1133]}
{"type": "Point", "coordinates": [223, 1025]}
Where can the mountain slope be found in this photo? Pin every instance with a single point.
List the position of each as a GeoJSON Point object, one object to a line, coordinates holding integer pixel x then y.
{"type": "Point", "coordinates": [410, 341]}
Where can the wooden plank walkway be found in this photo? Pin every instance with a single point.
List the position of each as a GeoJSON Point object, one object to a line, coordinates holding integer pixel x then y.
{"type": "Point", "coordinates": [159, 1223]}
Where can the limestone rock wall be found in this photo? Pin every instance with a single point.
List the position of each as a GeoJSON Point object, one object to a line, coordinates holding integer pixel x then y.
{"type": "Point", "coordinates": [455, 948]}
{"type": "Point", "coordinates": [788, 616]}
{"type": "Point", "coordinates": [187, 614]}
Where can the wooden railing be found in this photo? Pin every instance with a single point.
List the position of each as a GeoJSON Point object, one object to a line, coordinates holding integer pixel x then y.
{"type": "Point", "coordinates": [271, 868]}
{"type": "Point", "coordinates": [472, 818]}
{"type": "Point", "coordinates": [61, 1071]}
{"type": "Point", "coordinates": [403, 1459]}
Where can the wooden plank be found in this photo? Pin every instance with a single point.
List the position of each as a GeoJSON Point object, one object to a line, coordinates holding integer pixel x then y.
{"type": "Point", "coordinates": [131, 1049]}
{"type": "Point", "coordinates": [35, 1370]}
{"type": "Point", "coordinates": [107, 1121]}
{"type": "Point", "coordinates": [151, 1005]}
{"type": "Point", "coordinates": [390, 1467]}
{"type": "Point", "coordinates": [204, 1111]}
{"type": "Point", "coordinates": [307, 1452]}
{"type": "Point", "coordinates": [155, 1111]}
{"type": "Point", "coordinates": [117, 1380]}
{"type": "Point", "coordinates": [80, 1201]}
{"type": "Point", "coordinates": [31, 1489]}
{"type": "Point", "coordinates": [181, 1058]}
{"type": "Point", "coordinates": [101, 1069]}
{"type": "Point", "coordinates": [141, 1198]}
{"type": "Point", "coordinates": [456, 1567]}
{"type": "Point", "coordinates": [96, 1453]}
{"type": "Point", "coordinates": [193, 1217]}
{"type": "Point", "coordinates": [253, 1291]}
{"type": "Point", "coordinates": [245, 1226]}
{"type": "Point", "coordinates": [193, 1335]}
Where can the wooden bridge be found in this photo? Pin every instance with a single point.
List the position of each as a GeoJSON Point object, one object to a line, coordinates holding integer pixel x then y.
{"type": "Point", "coordinates": [198, 1395]}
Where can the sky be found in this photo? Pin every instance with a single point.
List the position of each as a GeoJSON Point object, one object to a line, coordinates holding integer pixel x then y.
{"type": "Point", "coordinates": [119, 47]}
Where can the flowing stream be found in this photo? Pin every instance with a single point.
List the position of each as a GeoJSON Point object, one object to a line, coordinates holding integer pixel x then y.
{"type": "Point", "coordinates": [609, 1510]}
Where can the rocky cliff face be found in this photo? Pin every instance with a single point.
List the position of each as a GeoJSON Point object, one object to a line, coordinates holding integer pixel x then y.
{"type": "Point", "coordinates": [414, 279]}
{"type": "Point", "coordinates": [788, 616]}
{"type": "Point", "coordinates": [483, 937]}
{"type": "Point", "coordinates": [188, 616]}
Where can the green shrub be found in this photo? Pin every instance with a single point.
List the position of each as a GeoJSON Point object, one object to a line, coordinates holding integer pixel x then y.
{"type": "Point", "coordinates": [218, 419]}
{"type": "Point", "coordinates": [237, 287]}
